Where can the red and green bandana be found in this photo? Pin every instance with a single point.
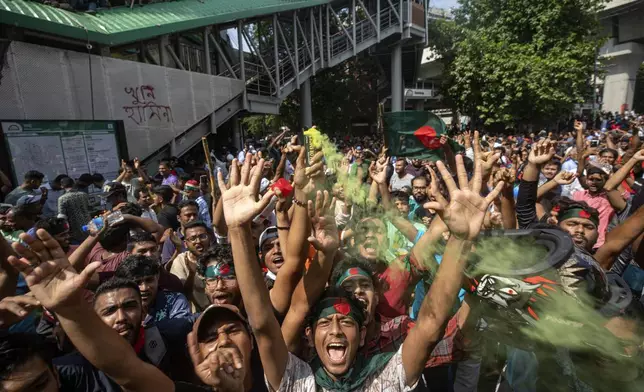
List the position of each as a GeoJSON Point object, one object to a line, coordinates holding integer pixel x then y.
{"type": "Point", "coordinates": [576, 212]}
{"type": "Point", "coordinates": [191, 184]}
{"type": "Point", "coordinates": [220, 271]}
{"type": "Point", "coordinates": [331, 305]}
{"type": "Point", "coordinates": [351, 272]}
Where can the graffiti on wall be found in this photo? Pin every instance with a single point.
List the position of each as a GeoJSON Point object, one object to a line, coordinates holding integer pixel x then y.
{"type": "Point", "coordinates": [144, 106]}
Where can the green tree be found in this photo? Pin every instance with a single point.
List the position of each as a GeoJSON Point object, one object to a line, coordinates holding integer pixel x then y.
{"type": "Point", "coordinates": [517, 62]}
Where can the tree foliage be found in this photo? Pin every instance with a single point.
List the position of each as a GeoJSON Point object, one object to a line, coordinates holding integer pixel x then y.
{"type": "Point", "coordinates": [511, 62]}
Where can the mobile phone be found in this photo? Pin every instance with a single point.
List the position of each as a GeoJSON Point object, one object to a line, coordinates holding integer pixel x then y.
{"type": "Point", "coordinates": [594, 143]}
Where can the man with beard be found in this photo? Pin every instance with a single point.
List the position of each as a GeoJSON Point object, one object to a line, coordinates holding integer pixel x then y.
{"type": "Point", "coordinates": [197, 239]}
{"type": "Point", "coordinates": [159, 304]}
{"type": "Point", "coordinates": [336, 325]}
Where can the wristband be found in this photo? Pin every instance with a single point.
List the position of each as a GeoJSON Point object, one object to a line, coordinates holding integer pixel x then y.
{"type": "Point", "coordinates": [283, 227]}
{"type": "Point", "coordinates": [299, 203]}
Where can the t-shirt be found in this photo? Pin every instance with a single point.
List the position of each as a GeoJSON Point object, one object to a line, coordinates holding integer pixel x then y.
{"type": "Point", "coordinates": [298, 377]}
{"type": "Point", "coordinates": [150, 214]}
{"type": "Point", "coordinates": [167, 217]}
{"type": "Point", "coordinates": [606, 212]}
{"type": "Point", "coordinates": [50, 208]}
{"type": "Point", "coordinates": [130, 187]}
{"type": "Point", "coordinates": [13, 196]}
{"type": "Point", "coordinates": [170, 180]}
{"type": "Point", "coordinates": [397, 182]}
{"type": "Point", "coordinates": [109, 261]}
{"type": "Point", "coordinates": [180, 268]}
{"type": "Point", "coordinates": [75, 206]}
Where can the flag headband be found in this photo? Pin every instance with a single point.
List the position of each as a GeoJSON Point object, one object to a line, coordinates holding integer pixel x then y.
{"type": "Point", "coordinates": [577, 212]}
{"type": "Point", "coordinates": [351, 272]}
{"type": "Point", "coordinates": [191, 186]}
{"type": "Point", "coordinates": [331, 305]}
{"type": "Point", "coordinates": [221, 270]}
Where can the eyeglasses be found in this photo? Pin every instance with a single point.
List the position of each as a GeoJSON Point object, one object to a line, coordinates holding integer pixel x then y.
{"type": "Point", "coordinates": [200, 237]}
{"type": "Point", "coordinates": [227, 280]}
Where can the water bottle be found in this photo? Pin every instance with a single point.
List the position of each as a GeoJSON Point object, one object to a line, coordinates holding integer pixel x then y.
{"type": "Point", "coordinates": [93, 226]}
{"type": "Point", "coordinates": [96, 224]}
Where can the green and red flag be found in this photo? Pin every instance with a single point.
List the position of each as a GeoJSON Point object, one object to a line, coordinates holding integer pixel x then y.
{"type": "Point", "coordinates": [416, 135]}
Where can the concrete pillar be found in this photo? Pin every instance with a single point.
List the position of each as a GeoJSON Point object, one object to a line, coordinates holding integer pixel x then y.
{"type": "Point", "coordinates": [621, 72]}
{"type": "Point", "coordinates": [165, 59]}
{"type": "Point", "coordinates": [396, 79]}
{"type": "Point", "coordinates": [306, 116]}
{"type": "Point", "coordinates": [237, 136]}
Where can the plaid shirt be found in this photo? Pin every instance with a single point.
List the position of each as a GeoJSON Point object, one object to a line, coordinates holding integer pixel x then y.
{"type": "Point", "coordinates": [204, 215]}
{"type": "Point", "coordinates": [394, 331]}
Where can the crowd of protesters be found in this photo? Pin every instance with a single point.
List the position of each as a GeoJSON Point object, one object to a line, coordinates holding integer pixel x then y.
{"type": "Point", "coordinates": [303, 272]}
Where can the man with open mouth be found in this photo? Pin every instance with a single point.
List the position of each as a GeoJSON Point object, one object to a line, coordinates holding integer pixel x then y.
{"type": "Point", "coordinates": [270, 252]}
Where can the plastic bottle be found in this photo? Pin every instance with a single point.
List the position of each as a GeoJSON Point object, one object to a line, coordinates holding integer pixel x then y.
{"type": "Point", "coordinates": [96, 224]}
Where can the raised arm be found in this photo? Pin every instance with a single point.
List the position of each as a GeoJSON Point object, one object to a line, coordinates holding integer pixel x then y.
{"type": "Point", "coordinates": [617, 178]}
{"type": "Point", "coordinates": [297, 248]}
{"type": "Point", "coordinates": [8, 275]}
{"type": "Point", "coordinates": [57, 286]}
{"type": "Point", "coordinates": [562, 178]}
{"type": "Point", "coordinates": [619, 238]}
{"type": "Point", "coordinates": [541, 153]}
{"type": "Point", "coordinates": [240, 207]}
{"type": "Point", "coordinates": [463, 216]}
{"type": "Point", "coordinates": [326, 241]}
{"type": "Point", "coordinates": [378, 174]}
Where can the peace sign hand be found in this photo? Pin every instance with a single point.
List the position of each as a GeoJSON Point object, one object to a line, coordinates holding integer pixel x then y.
{"type": "Point", "coordinates": [325, 237]}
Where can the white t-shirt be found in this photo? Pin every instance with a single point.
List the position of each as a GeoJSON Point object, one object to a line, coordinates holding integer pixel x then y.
{"type": "Point", "coordinates": [298, 377]}
{"type": "Point", "coordinates": [397, 183]}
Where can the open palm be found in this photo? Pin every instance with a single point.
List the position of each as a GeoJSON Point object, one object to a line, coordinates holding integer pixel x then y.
{"type": "Point", "coordinates": [240, 199]}
{"type": "Point", "coordinates": [325, 237]}
{"type": "Point", "coordinates": [47, 271]}
{"type": "Point", "coordinates": [466, 210]}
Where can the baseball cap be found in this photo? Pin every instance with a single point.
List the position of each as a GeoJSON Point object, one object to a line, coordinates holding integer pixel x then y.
{"type": "Point", "coordinates": [209, 315]}
{"type": "Point", "coordinates": [268, 234]}
{"type": "Point", "coordinates": [28, 199]}
{"type": "Point", "coordinates": [112, 188]}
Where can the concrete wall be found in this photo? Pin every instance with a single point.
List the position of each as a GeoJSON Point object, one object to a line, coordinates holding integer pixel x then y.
{"type": "Point", "coordinates": [156, 103]}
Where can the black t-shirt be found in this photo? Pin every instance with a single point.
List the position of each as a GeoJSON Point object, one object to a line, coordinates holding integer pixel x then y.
{"type": "Point", "coordinates": [165, 348]}
{"type": "Point", "coordinates": [167, 217]}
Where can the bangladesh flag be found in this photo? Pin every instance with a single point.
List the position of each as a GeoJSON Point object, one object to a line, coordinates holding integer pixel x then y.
{"type": "Point", "coordinates": [415, 135]}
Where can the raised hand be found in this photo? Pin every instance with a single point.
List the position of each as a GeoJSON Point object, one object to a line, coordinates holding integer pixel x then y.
{"type": "Point", "coordinates": [325, 236]}
{"type": "Point", "coordinates": [488, 159]}
{"type": "Point", "coordinates": [304, 177]}
{"type": "Point", "coordinates": [639, 156]}
{"type": "Point", "coordinates": [221, 368]}
{"type": "Point", "coordinates": [466, 210]}
{"type": "Point", "coordinates": [565, 178]}
{"type": "Point", "coordinates": [240, 198]}
{"type": "Point", "coordinates": [378, 170]}
{"type": "Point", "coordinates": [542, 152]}
{"type": "Point", "coordinates": [15, 309]}
{"type": "Point", "coordinates": [50, 277]}
{"type": "Point", "coordinates": [507, 176]}
{"type": "Point", "coordinates": [137, 164]}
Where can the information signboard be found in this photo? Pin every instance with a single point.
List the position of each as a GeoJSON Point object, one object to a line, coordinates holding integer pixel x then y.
{"type": "Point", "coordinates": [64, 147]}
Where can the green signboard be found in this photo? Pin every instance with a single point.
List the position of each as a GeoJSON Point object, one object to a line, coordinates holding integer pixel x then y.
{"type": "Point", "coordinates": [64, 147]}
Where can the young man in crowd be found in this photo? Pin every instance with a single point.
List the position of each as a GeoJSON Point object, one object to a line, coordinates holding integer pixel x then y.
{"type": "Point", "coordinates": [54, 191]}
{"type": "Point", "coordinates": [74, 205]}
{"type": "Point", "coordinates": [216, 267]}
{"type": "Point", "coordinates": [166, 209]}
{"type": "Point", "coordinates": [192, 191]}
{"type": "Point", "coordinates": [32, 180]}
{"type": "Point", "coordinates": [187, 212]}
{"type": "Point", "coordinates": [145, 244]}
{"type": "Point", "coordinates": [185, 266]}
{"type": "Point", "coordinates": [400, 178]}
{"type": "Point", "coordinates": [270, 252]}
{"type": "Point", "coordinates": [144, 200]}
{"type": "Point", "coordinates": [165, 170]}
{"type": "Point", "coordinates": [336, 328]}
{"type": "Point", "coordinates": [59, 229]}
{"type": "Point", "coordinates": [158, 304]}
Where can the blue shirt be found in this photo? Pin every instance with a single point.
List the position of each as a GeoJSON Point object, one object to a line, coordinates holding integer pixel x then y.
{"type": "Point", "coordinates": [167, 305]}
